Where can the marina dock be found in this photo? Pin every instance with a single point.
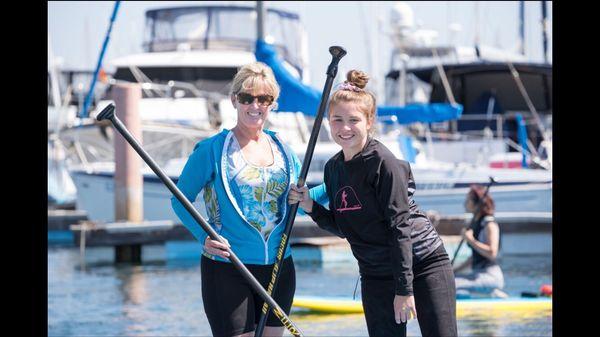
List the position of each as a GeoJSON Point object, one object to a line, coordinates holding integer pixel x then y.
{"type": "Point", "coordinates": [305, 232]}
{"type": "Point", "coordinates": [61, 220]}
{"type": "Point", "coordinates": [137, 242]}
{"type": "Point", "coordinates": [510, 222]}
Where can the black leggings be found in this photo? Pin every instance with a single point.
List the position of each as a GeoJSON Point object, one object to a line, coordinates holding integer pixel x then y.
{"type": "Point", "coordinates": [435, 299]}
{"type": "Point", "coordinates": [231, 304]}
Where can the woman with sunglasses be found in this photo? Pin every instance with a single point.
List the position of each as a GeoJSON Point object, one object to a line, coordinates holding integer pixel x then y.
{"type": "Point", "coordinates": [245, 174]}
{"type": "Point", "coordinates": [404, 268]}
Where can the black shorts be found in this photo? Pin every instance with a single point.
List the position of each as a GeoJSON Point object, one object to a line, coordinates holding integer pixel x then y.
{"type": "Point", "coordinates": [231, 304]}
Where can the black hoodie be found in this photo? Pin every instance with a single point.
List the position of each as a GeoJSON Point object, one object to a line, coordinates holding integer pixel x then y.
{"type": "Point", "coordinates": [371, 205]}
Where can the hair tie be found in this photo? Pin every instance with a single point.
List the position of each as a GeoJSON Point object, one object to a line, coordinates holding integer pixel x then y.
{"type": "Point", "coordinates": [349, 86]}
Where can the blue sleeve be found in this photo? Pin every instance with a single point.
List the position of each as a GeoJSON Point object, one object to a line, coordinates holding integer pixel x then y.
{"type": "Point", "coordinates": [321, 215]}
{"type": "Point", "coordinates": [297, 165]}
{"type": "Point", "coordinates": [319, 194]}
{"type": "Point", "coordinates": [197, 171]}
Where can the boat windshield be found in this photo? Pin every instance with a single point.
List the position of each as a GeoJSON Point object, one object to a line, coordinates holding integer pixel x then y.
{"type": "Point", "coordinates": [222, 27]}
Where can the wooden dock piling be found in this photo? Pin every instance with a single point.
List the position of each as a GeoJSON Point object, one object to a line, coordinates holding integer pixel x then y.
{"type": "Point", "coordinates": [128, 178]}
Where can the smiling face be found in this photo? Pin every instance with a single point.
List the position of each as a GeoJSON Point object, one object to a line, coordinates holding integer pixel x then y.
{"type": "Point", "coordinates": [349, 127]}
{"type": "Point", "coordinates": [254, 115]}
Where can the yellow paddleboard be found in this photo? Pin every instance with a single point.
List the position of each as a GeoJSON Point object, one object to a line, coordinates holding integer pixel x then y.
{"type": "Point", "coordinates": [486, 307]}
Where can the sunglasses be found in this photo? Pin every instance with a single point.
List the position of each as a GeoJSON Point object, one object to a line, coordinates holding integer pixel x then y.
{"type": "Point", "coordinates": [264, 100]}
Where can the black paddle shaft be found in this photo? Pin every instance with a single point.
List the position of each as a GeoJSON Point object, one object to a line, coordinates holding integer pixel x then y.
{"type": "Point", "coordinates": [109, 113]}
{"type": "Point", "coordinates": [479, 206]}
{"type": "Point", "coordinates": [336, 53]}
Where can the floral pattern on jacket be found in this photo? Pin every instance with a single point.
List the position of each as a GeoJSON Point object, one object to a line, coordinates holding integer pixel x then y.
{"type": "Point", "coordinates": [261, 189]}
{"type": "Point", "coordinates": [212, 207]}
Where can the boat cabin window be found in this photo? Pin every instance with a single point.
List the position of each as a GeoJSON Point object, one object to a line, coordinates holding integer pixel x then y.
{"type": "Point", "coordinates": [211, 28]}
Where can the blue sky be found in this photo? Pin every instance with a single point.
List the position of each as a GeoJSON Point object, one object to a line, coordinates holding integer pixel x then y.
{"type": "Point", "coordinates": [77, 29]}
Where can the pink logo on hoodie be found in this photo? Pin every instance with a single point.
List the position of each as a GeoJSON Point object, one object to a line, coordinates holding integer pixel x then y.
{"type": "Point", "coordinates": [346, 200]}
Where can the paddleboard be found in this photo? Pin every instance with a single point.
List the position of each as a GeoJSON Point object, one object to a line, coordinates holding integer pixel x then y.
{"type": "Point", "coordinates": [478, 306]}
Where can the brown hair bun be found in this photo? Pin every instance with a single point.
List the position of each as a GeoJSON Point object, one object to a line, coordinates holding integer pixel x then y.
{"type": "Point", "coordinates": [357, 78]}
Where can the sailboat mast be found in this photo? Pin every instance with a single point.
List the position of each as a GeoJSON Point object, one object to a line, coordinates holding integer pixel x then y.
{"type": "Point", "coordinates": [522, 27]}
{"type": "Point", "coordinates": [260, 19]}
{"type": "Point", "coordinates": [477, 32]}
{"type": "Point", "coordinates": [545, 30]}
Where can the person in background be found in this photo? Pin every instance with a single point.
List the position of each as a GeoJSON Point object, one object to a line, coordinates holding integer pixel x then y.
{"type": "Point", "coordinates": [486, 276]}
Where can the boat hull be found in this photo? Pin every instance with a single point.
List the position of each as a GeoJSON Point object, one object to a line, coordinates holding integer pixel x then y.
{"type": "Point", "coordinates": [95, 194]}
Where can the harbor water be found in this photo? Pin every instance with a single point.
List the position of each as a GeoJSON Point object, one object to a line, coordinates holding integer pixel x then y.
{"type": "Point", "coordinates": [162, 296]}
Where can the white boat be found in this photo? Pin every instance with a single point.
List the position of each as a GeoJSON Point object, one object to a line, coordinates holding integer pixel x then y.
{"type": "Point", "coordinates": [440, 186]}
{"type": "Point", "coordinates": [185, 73]}
{"type": "Point", "coordinates": [61, 190]}
{"type": "Point", "coordinates": [493, 86]}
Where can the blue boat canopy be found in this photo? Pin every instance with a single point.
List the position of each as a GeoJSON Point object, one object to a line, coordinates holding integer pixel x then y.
{"type": "Point", "coordinates": [296, 96]}
{"type": "Point", "coordinates": [421, 112]}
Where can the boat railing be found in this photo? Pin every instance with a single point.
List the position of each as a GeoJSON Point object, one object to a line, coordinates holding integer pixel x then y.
{"type": "Point", "coordinates": [166, 142]}
{"type": "Point", "coordinates": [485, 136]}
{"type": "Point", "coordinates": [498, 120]}
{"type": "Point", "coordinates": [171, 89]}
{"type": "Point", "coordinates": [163, 141]}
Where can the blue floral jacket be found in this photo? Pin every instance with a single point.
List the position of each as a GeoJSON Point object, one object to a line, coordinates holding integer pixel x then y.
{"type": "Point", "coordinates": [206, 170]}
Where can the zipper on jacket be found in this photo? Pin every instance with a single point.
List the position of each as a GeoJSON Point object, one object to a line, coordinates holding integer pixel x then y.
{"type": "Point", "coordinates": [232, 200]}
{"type": "Point", "coordinates": [290, 169]}
{"type": "Point", "coordinates": [262, 210]}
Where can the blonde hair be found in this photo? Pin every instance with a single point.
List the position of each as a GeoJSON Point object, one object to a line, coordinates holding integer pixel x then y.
{"type": "Point", "coordinates": [252, 75]}
{"type": "Point", "coordinates": [353, 90]}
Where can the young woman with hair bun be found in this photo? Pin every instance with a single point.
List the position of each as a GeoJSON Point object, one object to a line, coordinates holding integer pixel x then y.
{"type": "Point", "coordinates": [404, 268]}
